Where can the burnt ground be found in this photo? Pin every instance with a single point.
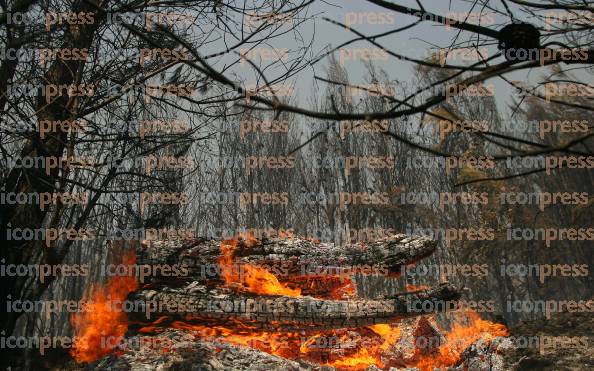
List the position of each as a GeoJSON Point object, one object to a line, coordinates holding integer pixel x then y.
{"type": "Point", "coordinates": [569, 344]}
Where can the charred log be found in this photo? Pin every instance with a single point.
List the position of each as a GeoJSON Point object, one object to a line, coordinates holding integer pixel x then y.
{"type": "Point", "coordinates": [291, 257]}
{"type": "Point", "coordinates": [210, 306]}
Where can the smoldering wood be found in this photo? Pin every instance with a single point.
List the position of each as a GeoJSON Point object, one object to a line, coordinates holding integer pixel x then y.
{"type": "Point", "coordinates": [293, 256]}
{"type": "Point", "coordinates": [175, 349]}
{"type": "Point", "coordinates": [190, 353]}
{"type": "Point", "coordinates": [218, 305]}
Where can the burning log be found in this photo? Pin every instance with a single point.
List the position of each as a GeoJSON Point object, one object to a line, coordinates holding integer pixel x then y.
{"type": "Point", "coordinates": [412, 343]}
{"type": "Point", "coordinates": [291, 257]}
{"type": "Point", "coordinates": [215, 306]}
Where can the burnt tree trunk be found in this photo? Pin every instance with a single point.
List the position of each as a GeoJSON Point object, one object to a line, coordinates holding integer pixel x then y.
{"type": "Point", "coordinates": [62, 107]}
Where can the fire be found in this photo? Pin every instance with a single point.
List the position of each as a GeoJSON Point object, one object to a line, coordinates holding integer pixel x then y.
{"type": "Point", "coordinates": [324, 286]}
{"type": "Point", "coordinates": [359, 361]}
{"type": "Point", "coordinates": [261, 281]}
{"type": "Point", "coordinates": [460, 337]}
{"type": "Point", "coordinates": [370, 354]}
{"type": "Point", "coordinates": [100, 327]}
{"type": "Point", "coordinates": [338, 348]}
{"type": "Point", "coordinates": [277, 343]}
{"type": "Point", "coordinates": [255, 279]}
{"type": "Point", "coordinates": [389, 334]}
{"type": "Point", "coordinates": [413, 288]}
{"type": "Point", "coordinates": [345, 348]}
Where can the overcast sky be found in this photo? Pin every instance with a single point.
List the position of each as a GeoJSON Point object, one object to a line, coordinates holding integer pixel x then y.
{"type": "Point", "coordinates": [417, 42]}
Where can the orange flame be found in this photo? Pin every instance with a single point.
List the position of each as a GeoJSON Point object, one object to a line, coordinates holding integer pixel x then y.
{"type": "Point", "coordinates": [294, 345]}
{"type": "Point", "coordinates": [371, 353]}
{"type": "Point", "coordinates": [261, 281]}
{"type": "Point", "coordinates": [255, 279]}
{"type": "Point", "coordinates": [359, 361]}
{"type": "Point", "coordinates": [100, 327]}
{"type": "Point", "coordinates": [368, 346]}
{"type": "Point", "coordinates": [370, 349]}
{"type": "Point", "coordinates": [461, 337]}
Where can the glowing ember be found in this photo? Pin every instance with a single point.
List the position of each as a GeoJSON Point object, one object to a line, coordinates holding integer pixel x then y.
{"type": "Point", "coordinates": [323, 286]}
{"type": "Point", "coordinates": [346, 349]}
{"type": "Point", "coordinates": [100, 327]}
{"type": "Point", "coordinates": [413, 288]}
{"type": "Point", "coordinates": [337, 348]}
{"type": "Point", "coordinates": [359, 361]}
{"type": "Point", "coordinates": [349, 348]}
{"type": "Point", "coordinates": [389, 334]}
{"type": "Point", "coordinates": [371, 353]}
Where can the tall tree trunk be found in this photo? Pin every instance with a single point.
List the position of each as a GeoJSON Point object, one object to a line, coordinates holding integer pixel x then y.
{"type": "Point", "coordinates": [63, 107]}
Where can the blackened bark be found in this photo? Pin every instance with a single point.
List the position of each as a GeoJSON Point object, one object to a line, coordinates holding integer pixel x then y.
{"type": "Point", "coordinates": [63, 107]}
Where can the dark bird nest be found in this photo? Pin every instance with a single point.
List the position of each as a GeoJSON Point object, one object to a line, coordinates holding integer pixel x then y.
{"type": "Point", "coordinates": [519, 36]}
